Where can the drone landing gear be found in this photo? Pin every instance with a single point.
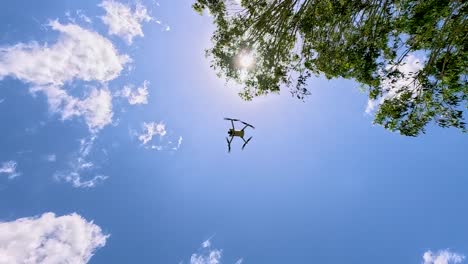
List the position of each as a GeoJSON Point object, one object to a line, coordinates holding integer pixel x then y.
{"type": "Point", "coordinates": [229, 144]}
{"type": "Point", "coordinates": [246, 141]}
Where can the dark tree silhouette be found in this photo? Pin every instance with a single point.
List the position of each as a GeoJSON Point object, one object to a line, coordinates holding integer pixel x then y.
{"type": "Point", "coordinates": [410, 56]}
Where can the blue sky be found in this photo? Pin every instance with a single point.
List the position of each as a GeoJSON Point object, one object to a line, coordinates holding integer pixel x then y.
{"type": "Point", "coordinates": [113, 151]}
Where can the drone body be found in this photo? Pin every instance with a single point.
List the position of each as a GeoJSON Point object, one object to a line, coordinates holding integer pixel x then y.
{"type": "Point", "coordinates": [237, 133]}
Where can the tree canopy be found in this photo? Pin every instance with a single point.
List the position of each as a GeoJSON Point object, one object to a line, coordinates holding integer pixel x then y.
{"type": "Point", "coordinates": [410, 56]}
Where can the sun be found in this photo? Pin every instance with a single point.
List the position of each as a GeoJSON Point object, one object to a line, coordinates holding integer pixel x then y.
{"type": "Point", "coordinates": [246, 60]}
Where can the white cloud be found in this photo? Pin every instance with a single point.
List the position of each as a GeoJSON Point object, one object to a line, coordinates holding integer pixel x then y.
{"type": "Point", "coordinates": [155, 129]}
{"type": "Point", "coordinates": [206, 243]}
{"type": "Point", "coordinates": [96, 108]}
{"type": "Point", "coordinates": [49, 239]}
{"type": "Point", "coordinates": [69, 17]}
{"type": "Point", "coordinates": [134, 95]}
{"type": "Point", "coordinates": [442, 257]}
{"type": "Point", "coordinates": [208, 255]}
{"type": "Point", "coordinates": [78, 54]}
{"type": "Point", "coordinates": [80, 15]}
{"type": "Point", "coordinates": [212, 257]}
{"type": "Point", "coordinates": [123, 21]}
{"type": "Point", "coordinates": [150, 130]}
{"type": "Point", "coordinates": [239, 261]}
{"type": "Point", "coordinates": [86, 145]}
{"type": "Point", "coordinates": [80, 168]}
{"type": "Point", "coordinates": [77, 180]}
{"type": "Point", "coordinates": [51, 158]}
{"type": "Point", "coordinates": [409, 67]}
{"type": "Point", "coordinates": [9, 168]}
{"type": "Point", "coordinates": [156, 147]}
{"type": "Point", "coordinates": [83, 17]}
{"type": "Point", "coordinates": [179, 142]}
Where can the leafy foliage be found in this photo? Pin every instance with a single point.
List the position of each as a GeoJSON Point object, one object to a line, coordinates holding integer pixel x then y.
{"type": "Point", "coordinates": [374, 42]}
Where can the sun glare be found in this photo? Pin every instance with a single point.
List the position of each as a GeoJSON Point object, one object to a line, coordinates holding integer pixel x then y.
{"type": "Point", "coordinates": [246, 60]}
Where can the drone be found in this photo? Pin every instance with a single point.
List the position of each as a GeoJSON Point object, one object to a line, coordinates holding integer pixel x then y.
{"type": "Point", "coordinates": [237, 133]}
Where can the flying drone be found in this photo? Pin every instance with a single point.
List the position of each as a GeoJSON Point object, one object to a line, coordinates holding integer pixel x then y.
{"type": "Point", "coordinates": [237, 133]}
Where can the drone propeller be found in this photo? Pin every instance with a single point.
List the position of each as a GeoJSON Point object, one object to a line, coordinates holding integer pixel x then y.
{"type": "Point", "coordinates": [231, 119]}
{"type": "Point", "coordinates": [247, 124]}
{"type": "Point", "coordinates": [247, 141]}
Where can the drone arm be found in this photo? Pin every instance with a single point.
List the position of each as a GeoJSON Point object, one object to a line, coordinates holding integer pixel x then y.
{"type": "Point", "coordinates": [232, 123]}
